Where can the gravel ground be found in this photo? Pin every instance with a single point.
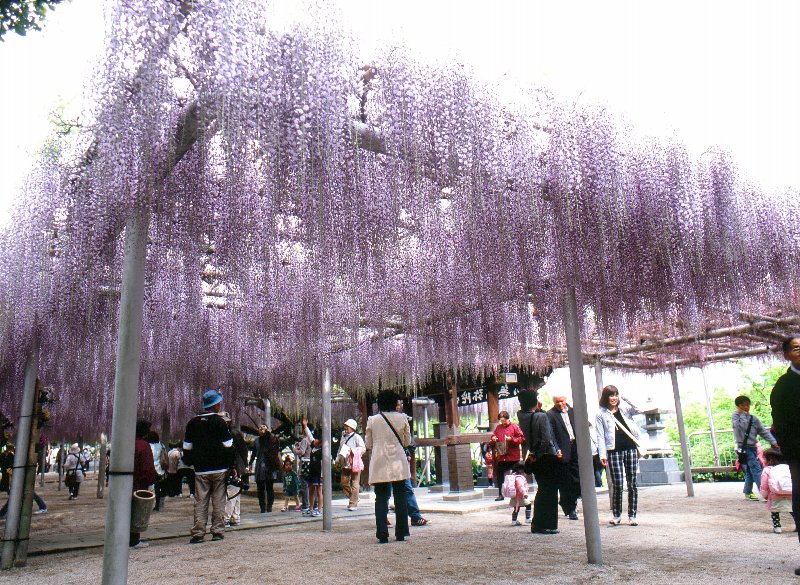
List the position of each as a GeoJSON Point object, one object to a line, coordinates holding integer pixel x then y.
{"type": "Point", "coordinates": [717, 537]}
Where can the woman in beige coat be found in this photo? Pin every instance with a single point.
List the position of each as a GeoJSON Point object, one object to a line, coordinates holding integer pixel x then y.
{"type": "Point", "coordinates": [386, 437]}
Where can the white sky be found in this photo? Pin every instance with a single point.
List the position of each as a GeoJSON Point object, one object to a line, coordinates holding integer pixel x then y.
{"type": "Point", "coordinates": [712, 73]}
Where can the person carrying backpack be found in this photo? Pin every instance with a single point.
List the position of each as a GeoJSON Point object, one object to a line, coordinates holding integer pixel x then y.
{"type": "Point", "coordinates": [776, 487]}
{"type": "Point", "coordinates": [515, 487]}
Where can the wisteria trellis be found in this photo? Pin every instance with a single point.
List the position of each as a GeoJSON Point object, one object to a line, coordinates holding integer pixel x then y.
{"type": "Point", "coordinates": [383, 221]}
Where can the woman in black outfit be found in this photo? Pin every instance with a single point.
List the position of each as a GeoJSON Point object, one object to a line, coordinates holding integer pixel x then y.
{"type": "Point", "coordinates": [535, 424]}
{"type": "Point", "coordinates": [267, 457]}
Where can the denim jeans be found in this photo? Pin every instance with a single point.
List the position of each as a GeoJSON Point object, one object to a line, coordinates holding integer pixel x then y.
{"type": "Point", "coordinates": [39, 502]}
{"type": "Point", "coordinates": [411, 502]}
{"type": "Point", "coordinates": [304, 489]}
{"type": "Point", "coordinates": [752, 471]}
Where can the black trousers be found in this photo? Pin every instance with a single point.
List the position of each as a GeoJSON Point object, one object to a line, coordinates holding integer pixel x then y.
{"type": "Point", "coordinates": [185, 472]}
{"type": "Point", "coordinates": [570, 483]}
{"type": "Point", "coordinates": [794, 469]}
{"type": "Point", "coordinates": [545, 504]}
{"type": "Point", "coordinates": [500, 469]}
{"type": "Point", "coordinates": [382, 493]}
{"type": "Point", "coordinates": [266, 493]}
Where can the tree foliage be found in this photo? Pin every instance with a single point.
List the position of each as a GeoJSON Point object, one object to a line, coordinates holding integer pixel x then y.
{"type": "Point", "coordinates": [695, 415]}
{"type": "Point", "coordinates": [21, 16]}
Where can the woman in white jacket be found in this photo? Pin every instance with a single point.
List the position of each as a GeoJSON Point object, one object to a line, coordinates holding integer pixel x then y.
{"type": "Point", "coordinates": [386, 436]}
{"type": "Point", "coordinates": [617, 446]}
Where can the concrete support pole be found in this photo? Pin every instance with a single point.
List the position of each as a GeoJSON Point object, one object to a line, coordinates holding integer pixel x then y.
{"type": "Point", "coordinates": [26, 413]}
{"type": "Point", "coordinates": [126, 399]}
{"type": "Point", "coordinates": [687, 460]}
{"type": "Point", "coordinates": [327, 471]}
{"type": "Point", "coordinates": [598, 377]}
{"type": "Point", "coordinates": [710, 414]}
{"type": "Point", "coordinates": [24, 532]}
{"type": "Point", "coordinates": [591, 520]}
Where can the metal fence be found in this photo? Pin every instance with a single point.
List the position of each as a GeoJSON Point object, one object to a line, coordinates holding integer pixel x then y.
{"type": "Point", "coordinates": [705, 454]}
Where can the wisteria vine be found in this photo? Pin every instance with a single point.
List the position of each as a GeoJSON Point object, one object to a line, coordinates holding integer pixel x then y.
{"type": "Point", "coordinates": [387, 220]}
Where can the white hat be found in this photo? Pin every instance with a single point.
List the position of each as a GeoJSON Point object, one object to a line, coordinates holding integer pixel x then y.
{"type": "Point", "coordinates": [351, 423]}
{"type": "Point", "coordinates": [74, 449]}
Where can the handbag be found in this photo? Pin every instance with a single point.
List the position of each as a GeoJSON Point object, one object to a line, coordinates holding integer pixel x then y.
{"type": "Point", "coordinates": [741, 452]}
{"type": "Point", "coordinates": [343, 458]}
{"type": "Point", "coordinates": [71, 478]}
{"type": "Point", "coordinates": [642, 451]}
{"type": "Point", "coordinates": [501, 447]}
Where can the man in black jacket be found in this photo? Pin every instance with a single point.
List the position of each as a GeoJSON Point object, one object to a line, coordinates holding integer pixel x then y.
{"type": "Point", "coordinates": [562, 421]}
{"type": "Point", "coordinates": [785, 401]}
{"type": "Point", "coordinates": [208, 446]}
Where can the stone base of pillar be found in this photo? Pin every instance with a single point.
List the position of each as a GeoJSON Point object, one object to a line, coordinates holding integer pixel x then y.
{"type": "Point", "coordinates": [662, 471]}
{"type": "Point", "coordinates": [459, 460]}
{"type": "Point", "coordinates": [462, 496]}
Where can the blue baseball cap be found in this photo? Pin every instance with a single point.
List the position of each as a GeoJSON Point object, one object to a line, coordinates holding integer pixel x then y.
{"type": "Point", "coordinates": [211, 397]}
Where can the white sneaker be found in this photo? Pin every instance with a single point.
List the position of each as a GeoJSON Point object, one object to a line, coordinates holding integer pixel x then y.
{"type": "Point", "coordinates": [777, 530]}
{"type": "Point", "coordinates": [516, 523]}
{"type": "Point", "coordinates": [42, 511]}
{"type": "Point", "coordinates": [316, 513]}
{"type": "Point", "coordinates": [141, 544]}
{"type": "Point", "coordinates": [352, 508]}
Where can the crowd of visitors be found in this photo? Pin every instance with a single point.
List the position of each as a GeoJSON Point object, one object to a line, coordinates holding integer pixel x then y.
{"type": "Point", "coordinates": [216, 463]}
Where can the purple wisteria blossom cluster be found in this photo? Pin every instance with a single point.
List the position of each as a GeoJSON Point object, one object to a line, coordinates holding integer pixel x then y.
{"type": "Point", "coordinates": [386, 220]}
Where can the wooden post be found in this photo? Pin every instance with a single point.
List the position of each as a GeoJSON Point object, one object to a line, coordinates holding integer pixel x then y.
{"type": "Point", "coordinates": [451, 405]}
{"type": "Point", "coordinates": [687, 459]}
{"type": "Point", "coordinates": [60, 459]}
{"type": "Point", "coordinates": [364, 408]}
{"type": "Point", "coordinates": [493, 406]}
{"type": "Point", "coordinates": [101, 468]}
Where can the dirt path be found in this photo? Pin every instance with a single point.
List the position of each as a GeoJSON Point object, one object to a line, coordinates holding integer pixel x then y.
{"type": "Point", "coordinates": [717, 537]}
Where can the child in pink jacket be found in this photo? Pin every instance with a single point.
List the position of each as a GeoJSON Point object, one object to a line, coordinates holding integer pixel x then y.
{"type": "Point", "coordinates": [776, 487]}
{"type": "Point", "coordinates": [515, 486]}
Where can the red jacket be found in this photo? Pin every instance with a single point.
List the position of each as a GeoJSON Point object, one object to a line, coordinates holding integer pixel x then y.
{"type": "Point", "coordinates": [144, 471]}
{"type": "Point", "coordinates": [517, 438]}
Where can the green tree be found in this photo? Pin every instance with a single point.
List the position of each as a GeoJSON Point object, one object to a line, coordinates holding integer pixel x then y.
{"type": "Point", "coordinates": [757, 388]}
{"type": "Point", "coordinates": [21, 16]}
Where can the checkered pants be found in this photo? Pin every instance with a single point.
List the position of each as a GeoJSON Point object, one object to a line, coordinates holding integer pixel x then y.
{"type": "Point", "coordinates": [627, 463]}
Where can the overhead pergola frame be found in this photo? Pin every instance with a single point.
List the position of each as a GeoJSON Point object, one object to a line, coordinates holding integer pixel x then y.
{"type": "Point", "coordinates": [742, 336]}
